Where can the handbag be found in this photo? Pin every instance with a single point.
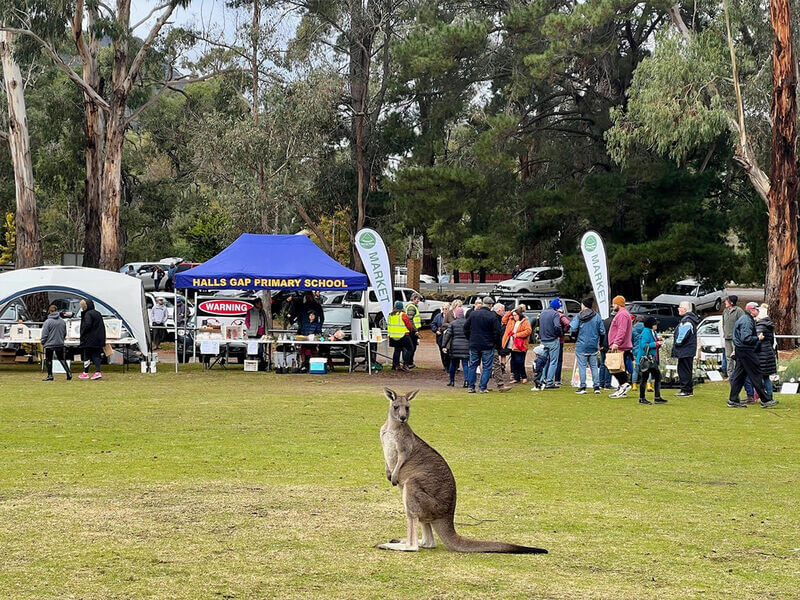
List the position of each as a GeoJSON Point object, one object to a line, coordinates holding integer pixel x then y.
{"type": "Point", "coordinates": [519, 344]}
{"type": "Point", "coordinates": [615, 362]}
{"type": "Point", "coordinates": [646, 363]}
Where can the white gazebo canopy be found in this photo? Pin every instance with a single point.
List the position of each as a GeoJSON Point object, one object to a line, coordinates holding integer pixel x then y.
{"type": "Point", "coordinates": [121, 294]}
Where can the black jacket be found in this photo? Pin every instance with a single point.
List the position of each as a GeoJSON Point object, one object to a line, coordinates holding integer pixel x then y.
{"type": "Point", "coordinates": [744, 333]}
{"type": "Point", "coordinates": [455, 340]}
{"type": "Point", "coordinates": [93, 331]}
{"type": "Point", "coordinates": [688, 348]}
{"type": "Point", "coordinates": [766, 349]}
{"type": "Point", "coordinates": [483, 329]}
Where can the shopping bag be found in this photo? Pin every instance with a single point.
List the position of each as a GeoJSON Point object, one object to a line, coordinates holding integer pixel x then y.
{"type": "Point", "coordinates": [615, 362]}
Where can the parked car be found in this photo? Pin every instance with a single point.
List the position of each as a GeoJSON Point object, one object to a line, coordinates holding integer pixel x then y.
{"type": "Point", "coordinates": [15, 310]}
{"type": "Point", "coordinates": [536, 279]}
{"type": "Point", "coordinates": [709, 338]}
{"type": "Point", "coordinates": [427, 308]}
{"type": "Point", "coordinates": [666, 314]}
{"type": "Point", "coordinates": [150, 299]}
{"type": "Point", "coordinates": [702, 296]}
{"type": "Point", "coordinates": [144, 272]}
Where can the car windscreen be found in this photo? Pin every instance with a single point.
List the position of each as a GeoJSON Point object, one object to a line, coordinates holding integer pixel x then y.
{"type": "Point", "coordinates": [339, 315]}
{"type": "Point", "coordinates": [525, 275]}
{"type": "Point", "coordinates": [708, 329]}
{"type": "Point", "coordinates": [683, 289]}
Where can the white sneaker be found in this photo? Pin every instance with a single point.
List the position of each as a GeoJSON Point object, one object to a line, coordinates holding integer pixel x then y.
{"type": "Point", "coordinates": [622, 392]}
{"type": "Point", "coordinates": [581, 391]}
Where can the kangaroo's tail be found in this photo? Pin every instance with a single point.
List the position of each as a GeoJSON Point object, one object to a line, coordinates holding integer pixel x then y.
{"type": "Point", "coordinates": [446, 531]}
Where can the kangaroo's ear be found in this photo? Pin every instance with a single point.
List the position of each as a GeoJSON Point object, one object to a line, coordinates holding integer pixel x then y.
{"type": "Point", "coordinates": [390, 394]}
{"type": "Point", "coordinates": [410, 396]}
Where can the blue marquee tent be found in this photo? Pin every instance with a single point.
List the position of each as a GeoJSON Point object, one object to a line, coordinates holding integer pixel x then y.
{"type": "Point", "coordinates": [260, 261]}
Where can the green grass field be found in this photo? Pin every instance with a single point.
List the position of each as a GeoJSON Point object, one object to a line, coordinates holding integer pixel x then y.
{"type": "Point", "coordinates": [246, 485]}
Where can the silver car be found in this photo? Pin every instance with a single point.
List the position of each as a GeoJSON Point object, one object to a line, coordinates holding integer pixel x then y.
{"type": "Point", "coordinates": [537, 280]}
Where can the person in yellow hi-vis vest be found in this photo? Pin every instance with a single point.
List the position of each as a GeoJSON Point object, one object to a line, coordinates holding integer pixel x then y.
{"type": "Point", "coordinates": [400, 328]}
{"type": "Point", "coordinates": [412, 310]}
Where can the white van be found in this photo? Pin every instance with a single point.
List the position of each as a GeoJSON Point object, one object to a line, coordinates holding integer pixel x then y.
{"type": "Point", "coordinates": [427, 308]}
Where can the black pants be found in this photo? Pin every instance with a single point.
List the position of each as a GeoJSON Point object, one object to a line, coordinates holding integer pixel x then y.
{"type": "Point", "coordinates": [58, 352]}
{"type": "Point", "coordinates": [445, 359]}
{"type": "Point", "coordinates": [158, 332]}
{"type": "Point", "coordinates": [747, 365]}
{"type": "Point", "coordinates": [91, 355]}
{"type": "Point", "coordinates": [405, 347]}
{"type": "Point", "coordinates": [518, 372]}
{"type": "Point", "coordinates": [653, 373]}
{"type": "Point", "coordinates": [685, 375]}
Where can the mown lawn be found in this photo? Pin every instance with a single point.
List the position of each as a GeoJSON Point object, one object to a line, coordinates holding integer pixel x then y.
{"type": "Point", "coordinates": [245, 485]}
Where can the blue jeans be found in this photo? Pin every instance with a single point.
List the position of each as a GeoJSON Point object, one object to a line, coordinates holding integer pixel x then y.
{"type": "Point", "coordinates": [582, 359]}
{"type": "Point", "coordinates": [485, 358]}
{"type": "Point", "coordinates": [454, 368]}
{"type": "Point", "coordinates": [553, 349]}
{"type": "Point", "coordinates": [605, 374]}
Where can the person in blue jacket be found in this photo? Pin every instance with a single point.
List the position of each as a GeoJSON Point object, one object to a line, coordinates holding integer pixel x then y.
{"type": "Point", "coordinates": [647, 360]}
{"type": "Point", "coordinates": [638, 326]}
{"type": "Point", "coordinates": [588, 326]}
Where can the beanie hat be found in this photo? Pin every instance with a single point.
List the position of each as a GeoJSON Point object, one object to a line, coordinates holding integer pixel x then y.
{"type": "Point", "coordinates": [555, 303]}
{"type": "Point", "coordinates": [733, 299]}
{"type": "Point", "coordinates": [649, 322]}
{"type": "Point", "coordinates": [618, 300]}
{"type": "Point", "coordinates": [588, 302]}
{"type": "Point", "coordinates": [398, 305]}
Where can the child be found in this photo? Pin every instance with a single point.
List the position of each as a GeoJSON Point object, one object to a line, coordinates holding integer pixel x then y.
{"type": "Point", "coordinates": [647, 361]}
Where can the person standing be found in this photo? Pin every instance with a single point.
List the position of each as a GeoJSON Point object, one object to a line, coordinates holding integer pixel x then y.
{"type": "Point", "coordinates": [499, 309]}
{"type": "Point", "coordinates": [169, 286]}
{"type": "Point", "coordinates": [517, 336]}
{"type": "Point", "coordinates": [730, 315]}
{"type": "Point", "coordinates": [767, 360]}
{"type": "Point", "coordinates": [255, 321]}
{"type": "Point", "coordinates": [483, 330]}
{"type": "Point", "coordinates": [620, 339]}
{"type": "Point", "coordinates": [638, 327]}
{"type": "Point", "coordinates": [412, 310]}
{"type": "Point", "coordinates": [588, 326]}
{"type": "Point", "coordinates": [605, 375]}
{"type": "Point", "coordinates": [684, 348]}
{"type": "Point", "coordinates": [515, 271]}
{"type": "Point", "coordinates": [158, 320]}
{"type": "Point", "coordinates": [563, 338]}
{"type": "Point", "coordinates": [438, 326]}
{"type": "Point", "coordinates": [745, 347]}
{"type": "Point", "coordinates": [54, 332]}
{"type": "Point", "coordinates": [647, 361]}
{"type": "Point", "coordinates": [92, 340]}
{"type": "Point", "coordinates": [550, 332]}
{"type": "Point", "coordinates": [158, 275]}
{"type": "Point", "coordinates": [400, 328]}
{"type": "Point", "coordinates": [456, 345]}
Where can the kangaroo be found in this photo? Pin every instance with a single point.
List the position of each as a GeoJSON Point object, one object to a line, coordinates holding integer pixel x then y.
{"type": "Point", "coordinates": [427, 487]}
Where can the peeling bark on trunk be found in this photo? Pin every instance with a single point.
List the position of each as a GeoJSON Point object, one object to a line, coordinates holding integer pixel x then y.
{"type": "Point", "coordinates": [28, 244]}
{"type": "Point", "coordinates": [782, 287]}
{"type": "Point", "coordinates": [110, 255]}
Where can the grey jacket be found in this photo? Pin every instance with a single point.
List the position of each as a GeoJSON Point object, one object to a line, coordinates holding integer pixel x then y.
{"type": "Point", "coordinates": [729, 318]}
{"type": "Point", "coordinates": [54, 331]}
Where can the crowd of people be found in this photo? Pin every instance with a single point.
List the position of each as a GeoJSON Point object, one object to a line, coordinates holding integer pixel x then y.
{"type": "Point", "coordinates": [494, 342]}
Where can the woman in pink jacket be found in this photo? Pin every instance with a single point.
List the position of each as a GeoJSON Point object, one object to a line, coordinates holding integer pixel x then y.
{"type": "Point", "coordinates": [620, 338]}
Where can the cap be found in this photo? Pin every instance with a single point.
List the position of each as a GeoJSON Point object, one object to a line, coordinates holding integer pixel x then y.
{"type": "Point", "coordinates": [488, 300]}
{"type": "Point", "coordinates": [751, 305]}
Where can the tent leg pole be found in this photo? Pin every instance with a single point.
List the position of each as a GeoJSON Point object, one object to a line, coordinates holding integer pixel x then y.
{"type": "Point", "coordinates": [175, 320]}
{"type": "Point", "coordinates": [194, 330]}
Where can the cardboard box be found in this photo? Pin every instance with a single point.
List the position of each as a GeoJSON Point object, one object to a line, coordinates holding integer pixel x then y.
{"type": "Point", "coordinates": [251, 366]}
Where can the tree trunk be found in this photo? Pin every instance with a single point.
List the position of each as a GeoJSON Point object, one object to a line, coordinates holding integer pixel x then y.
{"type": "Point", "coordinates": [94, 129]}
{"type": "Point", "coordinates": [110, 255]}
{"type": "Point", "coordinates": [28, 243]}
{"type": "Point", "coordinates": [428, 261]}
{"type": "Point", "coordinates": [782, 287]}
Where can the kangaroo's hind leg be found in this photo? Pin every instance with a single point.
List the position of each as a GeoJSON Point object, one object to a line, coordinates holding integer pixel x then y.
{"type": "Point", "coordinates": [410, 543]}
{"type": "Point", "coordinates": [428, 541]}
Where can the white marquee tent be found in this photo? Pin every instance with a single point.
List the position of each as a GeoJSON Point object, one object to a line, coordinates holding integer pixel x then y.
{"type": "Point", "coordinates": [121, 294]}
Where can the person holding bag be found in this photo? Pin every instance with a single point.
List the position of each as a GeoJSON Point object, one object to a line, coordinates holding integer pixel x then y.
{"type": "Point", "coordinates": [647, 361]}
{"type": "Point", "coordinates": [620, 343]}
{"type": "Point", "coordinates": [516, 337]}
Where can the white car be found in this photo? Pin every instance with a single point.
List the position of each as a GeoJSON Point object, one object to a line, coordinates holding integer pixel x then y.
{"type": "Point", "coordinates": [150, 298]}
{"type": "Point", "coordinates": [703, 297]}
{"type": "Point", "coordinates": [536, 279]}
{"type": "Point", "coordinates": [709, 338]}
{"type": "Point", "coordinates": [427, 308]}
